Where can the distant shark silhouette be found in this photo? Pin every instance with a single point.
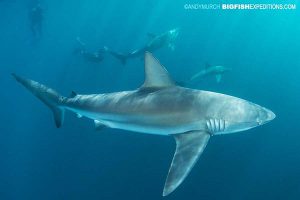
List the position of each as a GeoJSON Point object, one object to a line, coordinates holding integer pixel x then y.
{"type": "Point", "coordinates": [93, 57]}
{"type": "Point", "coordinates": [160, 107]}
{"type": "Point", "coordinates": [211, 70]}
{"type": "Point", "coordinates": [156, 42]}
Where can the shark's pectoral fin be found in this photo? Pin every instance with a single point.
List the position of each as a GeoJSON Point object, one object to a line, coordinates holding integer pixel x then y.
{"type": "Point", "coordinates": [189, 147]}
{"type": "Point", "coordinates": [218, 78]}
{"type": "Point", "coordinates": [156, 76]}
{"type": "Point", "coordinates": [98, 125]}
{"type": "Point", "coordinates": [58, 116]}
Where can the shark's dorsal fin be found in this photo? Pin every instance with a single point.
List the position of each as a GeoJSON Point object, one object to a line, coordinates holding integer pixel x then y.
{"type": "Point", "coordinates": [156, 76]}
{"type": "Point", "coordinates": [73, 94]}
{"type": "Point", "coordinates": [189, 147]}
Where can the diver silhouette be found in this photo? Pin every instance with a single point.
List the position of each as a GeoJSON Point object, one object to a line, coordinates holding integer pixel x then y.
{"type": "Point", "coordinates": [36, 20]}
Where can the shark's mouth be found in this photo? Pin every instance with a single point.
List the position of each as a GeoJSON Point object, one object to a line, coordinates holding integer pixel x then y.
{"type": "Point", "coordinates": [233, 127]}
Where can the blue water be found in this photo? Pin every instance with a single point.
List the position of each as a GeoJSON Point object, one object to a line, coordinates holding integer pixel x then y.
{"type": "Point", "coordinates": [39, 161]}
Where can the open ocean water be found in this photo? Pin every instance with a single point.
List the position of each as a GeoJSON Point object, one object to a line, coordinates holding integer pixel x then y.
{"type": "Point", "coordinates": [40, 162]}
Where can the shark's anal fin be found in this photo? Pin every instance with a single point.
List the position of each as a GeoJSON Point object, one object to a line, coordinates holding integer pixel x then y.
{"type": "Point", "coordinates": [189, 147]}
{"type": "Point", "coordinates": [98, 125]}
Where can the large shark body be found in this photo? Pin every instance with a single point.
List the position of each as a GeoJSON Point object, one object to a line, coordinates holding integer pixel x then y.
{"type": "Point", "coordinates": [160, 107]}
{"type": "Point", "coordinates": [156, 42]}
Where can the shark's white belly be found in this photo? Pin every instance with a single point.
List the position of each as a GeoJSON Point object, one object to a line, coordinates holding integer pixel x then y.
{"type": "Point", "coordinates": [149, 129]}
{"type": "Point", "coordinates": [143, 124]}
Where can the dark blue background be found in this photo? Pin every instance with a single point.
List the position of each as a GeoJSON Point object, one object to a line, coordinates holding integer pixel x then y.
{"type": "Point", "coordinates": [38, 161]}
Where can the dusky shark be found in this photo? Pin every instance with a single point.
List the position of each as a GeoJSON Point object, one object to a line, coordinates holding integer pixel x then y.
{"type": "Point", "coordinates": [93, 57]}
{"type": "Point", "coordinates": [160, 107]}
{"type": "Point", "coordinates": [211, 70]}
{"type": "Point", "coordinates": [156, 42]}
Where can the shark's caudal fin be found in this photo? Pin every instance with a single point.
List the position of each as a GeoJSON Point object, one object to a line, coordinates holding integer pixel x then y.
{"type": "Point", "coordinates": [189, 147]}
{"type": "Point", "coordinates": [122, 58]}
{"type": "Point", "coordinates": [47, 95]}
{"type": "Point", "coordinates": [199, 76]}
{"type": "Point", "coordinates": [119, 56]}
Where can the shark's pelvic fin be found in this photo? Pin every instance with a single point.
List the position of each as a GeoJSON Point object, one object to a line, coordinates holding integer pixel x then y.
{"type": "Point", "coordinates": [47, 95]}
{"type": "Point", "coordinates": [156, 76]}
{"type": "Point", "coordinates": [98, 125]}
{"type": "Point", "coordinates": [189, 147]}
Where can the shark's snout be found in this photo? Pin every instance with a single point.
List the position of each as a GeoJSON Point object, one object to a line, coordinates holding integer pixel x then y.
{"type": "Point", "coordinates": [270, 115]}
{"type": "Point", "coordinates": [265, 116]}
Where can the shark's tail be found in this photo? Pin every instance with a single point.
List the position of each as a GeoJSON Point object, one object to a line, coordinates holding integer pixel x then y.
{"type": "Point", "coordinates": [47, 95]}
{"type": "Point", "coordinates": [198, 76]}
{"type": "Point", "coordinates": [120, 56]}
